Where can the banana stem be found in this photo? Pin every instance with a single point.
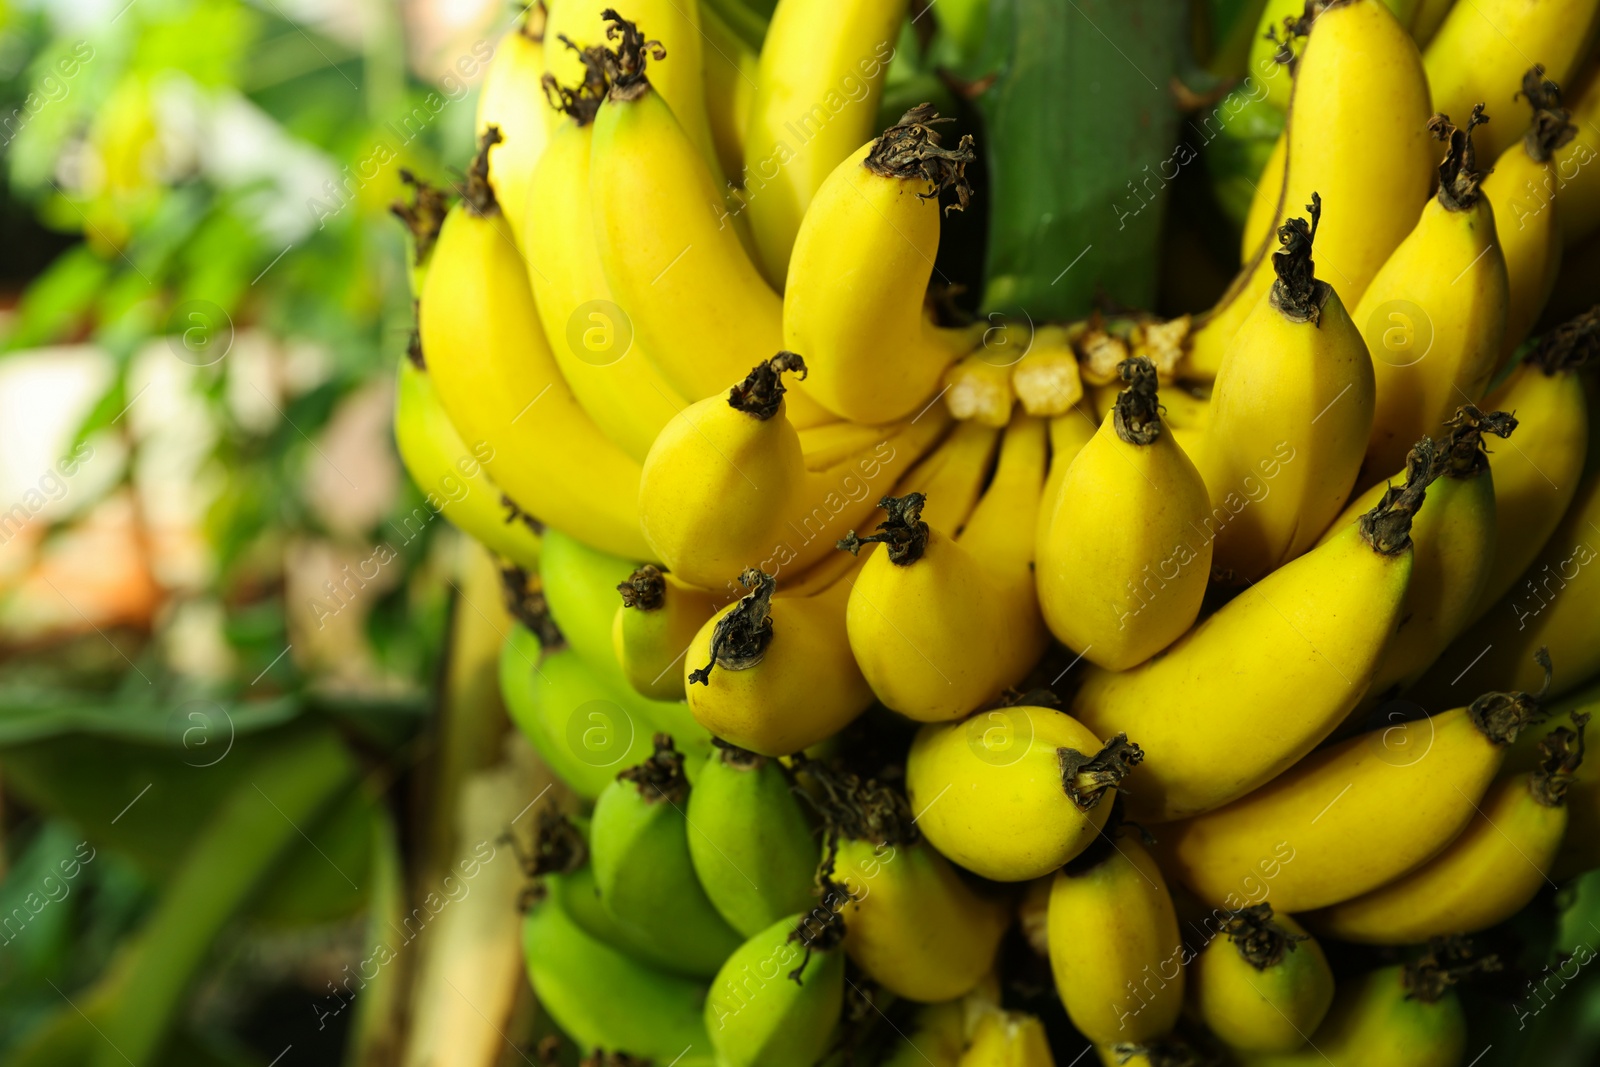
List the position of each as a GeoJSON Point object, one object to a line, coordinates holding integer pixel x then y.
{"type": "Point", "coordinates": [1387, 527]}
{"type": "Point", "coordinates": [1086, 778]}
{"type": "Point", "coordinates": [1560, 755]}
{"type": "Point", "coordinates": [1552, 124]}
{"type": "Point", "coordinates": [1502, 716]}
{"type": "Point", "coordinates": [645, 589]}
{"type": "Point", "coordinates": [903, 533]}
{"type": "Point", "coordinates": [661, 776]}
{"type": "Point", "coordinates": [762, 390]}
{"type": "Point", "coordinates": [1464, 455]}
{"type": "Point", "coordinates": [911, 149]}
{"type": "Point", "coordinates": [524, 599]}
{"type": "Point", "coordinates": [582, 102]}
{"type": "Point", "coordinates": [1447, 962]}
{"type": "Point", "coordinates": [624, 65]}
{"type": "Point", "coordinates": [424, 216]}
{"type": "Point", "coordinates": [1297, 292]}
{"type": "Point", "coordinates": [856, 810]}
{"type": "Point", "coordinates": [1261, 942]}
{"type": "Point", "coordinates": [558, 845]}
{"type": "Point", "coordinates": [1137, 415]}
{"type": "Point", "coordinates": [741, 637]}
{"type": "Point", "coordinates": [822, 928]}
{"type": "Point", "coordinates": [1459, 176]}
{"type": "Point", "coordinates": [1570, 346]}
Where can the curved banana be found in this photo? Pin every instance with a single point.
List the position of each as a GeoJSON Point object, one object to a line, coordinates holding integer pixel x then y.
{"type": "Point", "coordinates": [1385, 1018]}
{"type": "Point", "coordinates": [604, 998]}
{"type": "Point", "coordinates": [940, 625]}
{"type": "Point", "coordinates": [1332, 828]}
{"type": "Point", "coordinates": [777, 1000]}
{"type": "Point", "coordinates": [1008, 1039]}
{"type": "Point", "coordinates": [579, 585]}
{"type": "Point", "coordinates": [1096, 576]}
{"type": "Point", "coordinates": [776, 675]}
{"type": "Point", "coordinates": [500, 385]}
{"type": "Point", "coordinates": [696, 303]}
{"type": "Point", "coordinates": [1258, 221]}
{"type": "Point", "coordinates": [1483, 877]}
{"type": "Point", "coordinates": [1535, 479]}
{"type": "Point", "coordinates": [818, 83]}
{"type": "Point", "coordinates": [753, 850]}
{"type": "Point", "coordinates": [1522, 190]}
{"type": "Point", "coordinates": [1429, 16]}
{"type": "Point", "coordinates": [1357, 134]}
{"type": "Point", "coordinates": [1578, 182]}
{"type": "Point", "coordinates": [653, 627]}
{"type": "Point", "coordinates": [512, 101]}
{"type": "Point", "coordinates": [1209, 713]}
{"type": "Point", "coordinates": [1434, 317]}
{"type": "Point", "coordinates": [859, 274]}
{"type": "Point", "coordinates": [1015, 792]}
{"type": "Point", "coordinates": [591, 337]}
{"type": "Point", "coordinates": [639, 846]}
{"type": "Point", "coordinates": [730, 86]}
{"type": "Point", "coordinates": [1296, 378]}
{"type": "Point", "coordinates": [1069, 433]}
{"type": "Point", "coordinates": [1453, 548]}
{"type": "Point", "coordinates": [1468, 60]}
{"type": "Point", "coordinates": [450, 476]}
{"type": "Point", "coordinates": [675, 45]}
{"type": "Point", "coordinates": [1262, 984]}
{"type": "Point", "coordinates": [1115, 949]}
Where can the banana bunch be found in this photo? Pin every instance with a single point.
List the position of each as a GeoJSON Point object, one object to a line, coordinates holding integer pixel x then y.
{"type": "Point", "coordinates": [857, 628]}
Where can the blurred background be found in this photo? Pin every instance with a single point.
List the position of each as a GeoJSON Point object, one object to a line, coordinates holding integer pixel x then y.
{"type": "Point", "coordinates": [260, 802]}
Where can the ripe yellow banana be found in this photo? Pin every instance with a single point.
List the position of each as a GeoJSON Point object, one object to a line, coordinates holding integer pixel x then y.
{"type": "Point", "coordinates": [1430, 15]}
{"type": "Point", "coordinates": [1357, 134]}
{"type": "Point", "coordinates": [1258, 221]}
{"type": "Point", "coordinates": [953, 476]}
{"type": "Point", "coordinates": [1008, 1039]}
{"type": "Point", "coordinates": [1522, 190]}
{"type": "Point", "coordinates": [1014, 792]}
{"type": "Point", "coordinates": [696, 302]}
{"type": "Point", "coordinates": [1385, 1018]}
{"type": "Point", "coordinates": [1536, 476]}
{"type": "Point", "coordinates": [1578, 180]}
{"type": "Point", "coordinates": [450, 475]}
{"type": "Point", "coordinates": [1453, 538]}
{"type": "Point", "coordinates": [859, 275]}
{"type": "Point", "coordinates": [653, 627]}
{"type": "Point", "coordinates": [1209, 713]}
{"type": "Point", "coordinates": [730, 78]}
{"type": "Point", "coordinates": [1068, 434]}
{"type": "Point", "coordinates": [1262, 984]}
{"type": "Point", "coordinates": [775, 675]}
{"type": "Point", "coordinates": [1297, 376]}
{"type": "Point", "coordinates": [939, 625]}
{"type": "Point", "coordinates": [1125, 516]}
{"type": "Point", "coordinates": [816, 99]}
{"type": "Point", "coordinates": [589, 334]}
{"type": "Point", "coordinates": [677, 60]}
{"type": "Point", "coordinates": [1354, 816]}
{"type": "Point", "coordinates": [499, 383]}
{"type": "Point", "coordinates": [512, 102]}
{"type": "Point", "coordinates": [1483, 877]}
{"type": "Point", "coordinates": [1470, 61]}
{"type": "Point", "coordinates": [1115, 950]}
{"type": "Point", "coordinates": [1435, 316]}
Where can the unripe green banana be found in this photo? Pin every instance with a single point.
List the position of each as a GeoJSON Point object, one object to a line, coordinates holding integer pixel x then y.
{"type": "Point", "coordinates": [937, 1037]}
{"type": "Point", "coordinates": [602, 997]}
{"type": "Point", "coordinates": [1261, 983]}
{"type": "Point", "coordinates": [580, 588]}
{"type": "Point", "coordinates": [778, 998]}
{"type": "Point", "coordinates": [640, 847]}
{"type": "Point", "coordinates": [653, 627]}
{"type": "Point", "coordinates": [752, 847]}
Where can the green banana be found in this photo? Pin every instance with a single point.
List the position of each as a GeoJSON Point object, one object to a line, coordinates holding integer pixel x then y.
{"type": "Point", "coordinates": [778, 998]}
{"type": "Point", "coordinates": [604, 998]}
{"type": "Point", "coordinates": [580, 589]}
{"type": "Point", "coordinates": [752, 847]}
{"type": "Point", "coordinates": [638, 838]}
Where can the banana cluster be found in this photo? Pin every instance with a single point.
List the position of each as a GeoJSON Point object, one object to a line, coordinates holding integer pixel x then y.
{"type": "Point", "coordinates": [1173, 647]}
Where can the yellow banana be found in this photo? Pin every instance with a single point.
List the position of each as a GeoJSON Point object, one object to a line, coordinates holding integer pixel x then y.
{"type": "Point", "coordinates": [653, 627]}
{"type": "Point", "coordinates": [730, 77]}
{"type": "Point", "coordinates": [1296, 378]}
{"type": "Point", "coordinates": [1262, 984]}
{"type": "Point", "coordinates": [1046, 379]}
{"type": "Point", "coordinates": [1522, 190]}
{"type": "Point", "coordinates": [677, 58]}
{"type": "Point", "coordinates": [1209, 712]}
{"type": "Point", "coordinates": [1015, 792]}
{"type": "Point", "coordinates": [1125, 515]}
{"type": "Point", "coordinates": [953, 476]}
{"type": "Point", "coordinates": [1008, 1039]}
{"type": "Point", "coordinates": [1555, 605]}
{"type": "Point", "coordinates": [512, 102]}
{"type": "Point", "coordinates": [1258, 221]}
{"type": "Point", "coordinates": [1357, 134]}
{"type": "Point", "coordinates": [590, 336]}
{"type": "Point", "coordinates": [859, 273]}
{"type": "Point", "coordinates": [816, 99]}
{"type": "Point", "coordinates": [1435, 316]}
{"type": "Point", "coordinates": [696, 303]}
{"type": "Point", "coordinates": [775, 675]}
{"type": "Point", "coordinates": [1068, 434]}
{"type": "Point", "coordinates": [497, 380]}
{"type": "Point", "coordinates": [1483, 877]}
{"type": "Point", "coordinates": [939, 625]}
{"type": "Point", "coordinates": [1351, 817]}
{"type": "Point", "coordinates": [1278, 41]}
{"type": "Point", "coordinates": [1430, 15]}
{"type": "Point", "coordinates": [450, 475]}
{"type": "Point", "coordinates": [1114, 944]}
{"type": "Point", "coordinates": [1469, 59]}
{"type": "Point", "coordinates": [1385, 1018]}
{"type": "Point", "coordinates": [1536, 476]}
{"type": "Point", "coordinates": [1577, 179]}
{"type": "Point", "coordinates": [1453, 538]}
